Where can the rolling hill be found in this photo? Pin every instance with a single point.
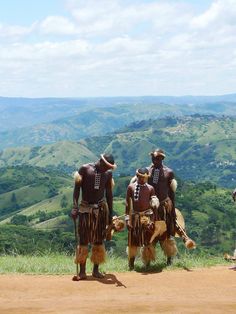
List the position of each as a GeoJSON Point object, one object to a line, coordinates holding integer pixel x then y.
{"type": "Point", "coordinates": [199, 148]}
{"type": "Point", "coordinates": [31, 190]}
{"type": "Point", "coordinates": [74, 121]}
{"type": "Point", "coordinates": [207, 209]}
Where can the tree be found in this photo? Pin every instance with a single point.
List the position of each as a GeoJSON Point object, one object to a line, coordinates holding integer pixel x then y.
{"type": "Point", "coordinates": [19, 220]}
{"type": "Point", "coordinates": [64, 201]}
{"type": "Point", "coordinates": [13, 198]}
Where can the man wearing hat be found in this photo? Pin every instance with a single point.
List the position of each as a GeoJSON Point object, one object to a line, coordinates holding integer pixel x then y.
{"type": "Point", "coordinates": [163, 181]}
{"type": "Point", "coordinates": [141, 203]}
{"type": "Point", "coordinates": [94, 211]}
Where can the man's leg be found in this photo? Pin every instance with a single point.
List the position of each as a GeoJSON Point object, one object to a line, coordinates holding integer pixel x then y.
{"type": "Point", "coordinates": [148, 254]}
{"type": "Point", "coordinates": [132, 251]}
{"type": "Point", "coordinates": [98, 257]}
{"type": "Point", "coordinates": [170, 249]}
{"type": "Point", "coordinates": [81, 256]}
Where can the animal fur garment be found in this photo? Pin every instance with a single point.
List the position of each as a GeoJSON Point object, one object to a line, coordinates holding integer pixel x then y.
{"type": "Point", "coordinates": [81, 254]}
{"type": "Point", "coordinates": [133, 180]}
{"type": "Point", "coordinates": [119, 225]}
{"type": "Point", "coordinates": [173, 185]}
{"type": "Point", "coordinates": [169, 247]}
{"type": "Point", "coordinates": [190, 244]}
{"type": "Point", "coordinates": [98, 255]}
{"type": "Point", "coordinates": [148, 254]}
{"type": "Point", "coordinates": [154, 202]}
{"type": "Point", "coordinates": [229, 257]}
{"type": "Point", "coordinates": [160, 228]}
{"type": "Point", "coordinates": [77, 177]}
{"type": "Point", "coordinates": [145, 220]}
{"type": "Point", "coordinates": [132, 251]}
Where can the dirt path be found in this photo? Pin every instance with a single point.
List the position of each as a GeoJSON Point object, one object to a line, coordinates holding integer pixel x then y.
{"type": "Point", "coordinates": [208, 290]}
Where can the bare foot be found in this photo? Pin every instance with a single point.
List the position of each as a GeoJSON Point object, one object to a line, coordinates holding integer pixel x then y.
{"type": "Point", "coordinates": [98, 275]}
{"type": "Point", "coordinates": [82, 276]}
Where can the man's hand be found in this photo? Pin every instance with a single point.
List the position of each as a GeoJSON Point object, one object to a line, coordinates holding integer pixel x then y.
{"type": "Point", "coordinates": [74, 213]}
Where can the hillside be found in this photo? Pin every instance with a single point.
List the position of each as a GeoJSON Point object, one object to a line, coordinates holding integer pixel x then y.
{"type": "Point", "coordinates": [74, 121]}
{"type": "Point", "coordinates": [65, 156]}
{"type": "Point", "coordinates": [42, 200]}
{"type": "Point", "coordinates": [199, 148]}
{"type": "Point", "coordinates": [24, 187]}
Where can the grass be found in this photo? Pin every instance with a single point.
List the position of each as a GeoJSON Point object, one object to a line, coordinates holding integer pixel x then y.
{"type": "Point", "coordinates": [58, 264]}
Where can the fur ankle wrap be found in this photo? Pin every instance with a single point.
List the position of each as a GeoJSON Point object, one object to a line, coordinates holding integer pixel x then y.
{"type": "Point", "coordinates": [148, 253]}
{"type": "Point", "coordinates": [98, 255]}
{"type": "Point", "coordinates": [169, 247]}
{"type": "Point", "coordinates": [81, 254]}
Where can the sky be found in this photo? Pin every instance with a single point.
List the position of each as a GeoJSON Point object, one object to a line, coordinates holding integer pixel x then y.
{"type": "Point", "coordinates": [93, 48]}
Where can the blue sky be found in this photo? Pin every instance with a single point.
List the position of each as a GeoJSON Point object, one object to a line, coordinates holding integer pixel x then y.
{"type": "Point", "coordinates": [79, 48]}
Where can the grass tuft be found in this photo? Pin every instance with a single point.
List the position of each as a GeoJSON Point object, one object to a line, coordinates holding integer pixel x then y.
{"type": "Point", "coordinates": [58, 264]}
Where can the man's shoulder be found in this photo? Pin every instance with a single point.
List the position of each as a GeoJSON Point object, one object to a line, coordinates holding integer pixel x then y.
{"type": "Point", "coordinates": [108, 173]}
{"type": "Point", "coordinates": [85, 167]}
{"type": "Point", "coordinates": [131, 186]}
{"type": "Point", "coordinates": [150, 187]}
{"type": "Point", "coordinates": [149, 167]}
{"type": "Point", "coordinates": [167, 169]}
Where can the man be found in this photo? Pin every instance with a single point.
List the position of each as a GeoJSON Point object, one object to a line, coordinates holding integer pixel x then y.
{"type": "Point", "coordinates": [95, 213]}
{"type": "Point", "coordinates": [234, 195]}
{"type": "Point", "coordinates": [140, 200]}
{"type": "Point", "coordinates": [164, 183]}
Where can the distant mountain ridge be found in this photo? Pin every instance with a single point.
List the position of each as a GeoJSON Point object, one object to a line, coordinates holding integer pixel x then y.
{"type": "Point", "coordinates": [73, 120]}
{"type": "Point", "coordinates": [198, 148]}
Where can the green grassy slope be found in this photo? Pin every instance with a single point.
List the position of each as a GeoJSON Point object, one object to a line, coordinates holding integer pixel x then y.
{"type": "Point", "coordinates": [60, 155]}
{"type": "Point", "coordinates": [208, 210]}
{"type": "Point", "coordinates": [27, 190]}
{"type": "Point", "coordinates": [197, 147]}
{"type": "Point", "coordinates": [106, 116]}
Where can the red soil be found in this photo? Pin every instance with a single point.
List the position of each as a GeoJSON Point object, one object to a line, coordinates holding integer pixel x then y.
{"type": "Point", "coordinates": [208, 290]}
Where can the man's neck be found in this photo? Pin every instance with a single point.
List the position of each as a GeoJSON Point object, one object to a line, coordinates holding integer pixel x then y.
{"type": "Point", "coordinates": [98, 167]}
{"type": "Point", "coordinates": [158, 166]}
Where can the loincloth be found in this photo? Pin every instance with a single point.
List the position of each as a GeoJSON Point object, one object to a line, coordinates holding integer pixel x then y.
{"type": "Point", "coordinates": [142, 228]}
{"type": "Point", "coordinates": [167, 213]}
{"type": "Point", "coordinates": [93, 219]}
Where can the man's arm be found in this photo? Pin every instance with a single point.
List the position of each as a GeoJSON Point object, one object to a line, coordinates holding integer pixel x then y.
{"type": "Point", "coordinates": [128, 207]}
{"type": "Point", "coordinates": [154, 202]}
{"type": "Point", "coordinates": [172, 186]}
{"type": "Point", "coordinates": [76, 194]}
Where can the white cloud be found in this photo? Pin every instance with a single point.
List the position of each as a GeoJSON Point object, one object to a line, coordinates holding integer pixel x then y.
{"type": "Point", "coordinates": [113, 48]}
{"type": "Point", "coordinates": [16, 31]}
{"type": "Point", "coordinates": [57, 25]}
{"type": "Point", "coordinates": [221, 12]}
{"type": "Point", "coordinates": [44, 50]}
